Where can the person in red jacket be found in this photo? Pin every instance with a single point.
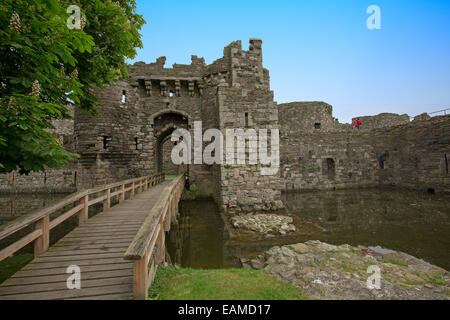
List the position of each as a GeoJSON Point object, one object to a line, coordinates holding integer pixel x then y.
{"type": "Point", "coordinates": [358, 124]}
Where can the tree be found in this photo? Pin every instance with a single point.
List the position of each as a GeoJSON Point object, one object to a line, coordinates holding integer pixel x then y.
{"type": "Point", "coordinates": [47, 64]}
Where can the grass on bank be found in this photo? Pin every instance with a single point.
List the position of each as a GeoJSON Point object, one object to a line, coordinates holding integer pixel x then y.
{"type": "Point", "coordinates": [172, 176]}
{"type": "Point", "coordinates": [176, 283]}
{"type": "Point", "coordinates": [11, 265]}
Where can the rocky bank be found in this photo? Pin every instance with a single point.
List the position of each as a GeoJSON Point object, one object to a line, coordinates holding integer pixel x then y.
{"type": "Point", "coordinates": [327, 271]}
{"type": "Point", "coordinates": [267, 224]}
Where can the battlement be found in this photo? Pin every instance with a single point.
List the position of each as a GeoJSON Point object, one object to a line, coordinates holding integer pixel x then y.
{"type": "Point", "coordinates": [142, 70]}
{"type": "Point", "coordinates": [237, 68]}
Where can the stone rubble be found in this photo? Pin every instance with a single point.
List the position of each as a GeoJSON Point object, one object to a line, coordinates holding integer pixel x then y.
{"type": "Point", "coordinates": [325, 271]}
{"type": "Point", "coordinates": [264, 223]}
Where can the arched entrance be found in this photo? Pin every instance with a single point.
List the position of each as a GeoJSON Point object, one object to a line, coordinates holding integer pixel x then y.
{"type": "Point", "coordinates": [164, 124]}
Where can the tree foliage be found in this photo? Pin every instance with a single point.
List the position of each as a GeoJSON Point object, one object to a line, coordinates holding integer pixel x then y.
{"type": "Point", "coordinates": [46, 66]}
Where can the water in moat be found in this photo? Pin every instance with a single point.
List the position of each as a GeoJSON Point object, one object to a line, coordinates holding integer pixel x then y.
{"type": "Point", "coordinates": [413, 222]}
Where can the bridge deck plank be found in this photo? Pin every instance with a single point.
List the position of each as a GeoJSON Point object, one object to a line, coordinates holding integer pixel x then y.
{"type": "Point", "coordinates": [93, 275]}
{"type": "Point", "coordinates": [97, 247]}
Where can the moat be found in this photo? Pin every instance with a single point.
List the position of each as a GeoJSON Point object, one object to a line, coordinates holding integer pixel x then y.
{"type": "Point", "coordinates": [413, 222]}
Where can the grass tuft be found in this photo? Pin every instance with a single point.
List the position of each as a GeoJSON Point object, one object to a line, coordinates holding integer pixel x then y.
{"type": "Point", "coordinates": [175, 283]}
{"type": "Point", "coordinates": [392, 261]}
{"type": "Point", "coordinates": [11, 265]}
{"type": "Point", "coordinates": [172, 176]}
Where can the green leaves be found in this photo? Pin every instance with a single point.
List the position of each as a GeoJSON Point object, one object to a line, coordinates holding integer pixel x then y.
{"type": "Point", "coordinates": [36, 50]}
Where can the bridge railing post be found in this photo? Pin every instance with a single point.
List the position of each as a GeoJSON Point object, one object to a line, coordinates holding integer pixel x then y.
{"type": "Point", "coordinates": [140, 278]}
{"type": "Point", "coordinates": [161, 244]}
{"type": "Point", "coordinates": [122, 194]}
{"type": "Point", "coordinates": [107, 202]}
{"type": "Point", "coordinates": [83, 215]}
{"type": "Point", "coordinates": [41, 244]}
{"type": "Point", "coordinates": [133, 187]}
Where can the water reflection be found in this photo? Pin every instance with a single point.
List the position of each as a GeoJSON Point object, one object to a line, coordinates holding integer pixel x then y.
{"type": "Point", "coordinates": [412, 222]}
{"type": "Point", "coordinates": [16, 205]}
{"type": "Point", "coordinates": [197, 239]}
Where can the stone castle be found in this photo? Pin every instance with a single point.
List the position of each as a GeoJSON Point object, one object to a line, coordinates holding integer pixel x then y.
{"type": "Point", "coordinates": [131, 137]}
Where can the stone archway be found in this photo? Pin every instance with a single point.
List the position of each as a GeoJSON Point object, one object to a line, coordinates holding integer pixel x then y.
{"type": "Point", "coordinates": [164, 124]}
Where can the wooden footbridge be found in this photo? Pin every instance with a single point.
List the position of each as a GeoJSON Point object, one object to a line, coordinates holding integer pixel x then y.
{"type": "Point", "coordinates": [117, 251]}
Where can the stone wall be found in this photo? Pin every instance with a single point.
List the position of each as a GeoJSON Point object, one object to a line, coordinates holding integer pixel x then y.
{"type": "Point", "coordinates": [413, 155]}
{"type": "Point", "coordinates": [307, 117]}
{"type": "Point", "coordinates": [137, 115]}
{"type": "Point", "coordinates": [417, 154]}
{"type": "Point", "coordinates": [246, 102]}
{"type": "Point", "coordinates": [383, 120]}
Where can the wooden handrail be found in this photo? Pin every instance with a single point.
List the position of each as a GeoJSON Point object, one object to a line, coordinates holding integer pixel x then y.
{"type": "Point", "coordinates": [151, 236]}
{"type": "Point", "coordinates": [41, 218]}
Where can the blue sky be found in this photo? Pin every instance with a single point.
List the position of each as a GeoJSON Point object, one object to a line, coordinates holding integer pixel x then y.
{"type": "Point", "coordinates": [319, 50]}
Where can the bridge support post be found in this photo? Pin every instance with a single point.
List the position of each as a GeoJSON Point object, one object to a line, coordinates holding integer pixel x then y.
{"type": "Point", "coordinates": [41, 244]}
{"type": "Point", "coordinates": [83, 214]}
{"type": "Point", "coordinates": [168, 220]}
{"type": "Point", "coordinates": [107, 202]}
{"type": "Point", "coordinates": [140, 278]}
{"type": "Point", "coordinates": [122, 195]}
{"type": "Point", "coordinates": [161, 246]}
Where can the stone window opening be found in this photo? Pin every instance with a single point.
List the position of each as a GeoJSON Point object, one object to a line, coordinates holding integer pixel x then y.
{"type": "Point", "coordinates": [136, 143]}
{"type": "Point", "coordinates": [171, 94]}
{"type": "Point", "coordinates": [124, 96]}
{"type": "Point", "coordinates": [246, 119]}
{"type": "Point", "coordinates": [329, 168]}
{"type": "Point", "coordinates": [446, 163]}
{"type": "Point", "coordinates": [317, 125]}
{"type": "Point", "coordinates": [382, 161]}
{"type": "Point", "coordinates": [105, 142]}
{"type": "Point", "coordinates": [141, 87]}
{"type": "Point", "coordinates": [431, 191]}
